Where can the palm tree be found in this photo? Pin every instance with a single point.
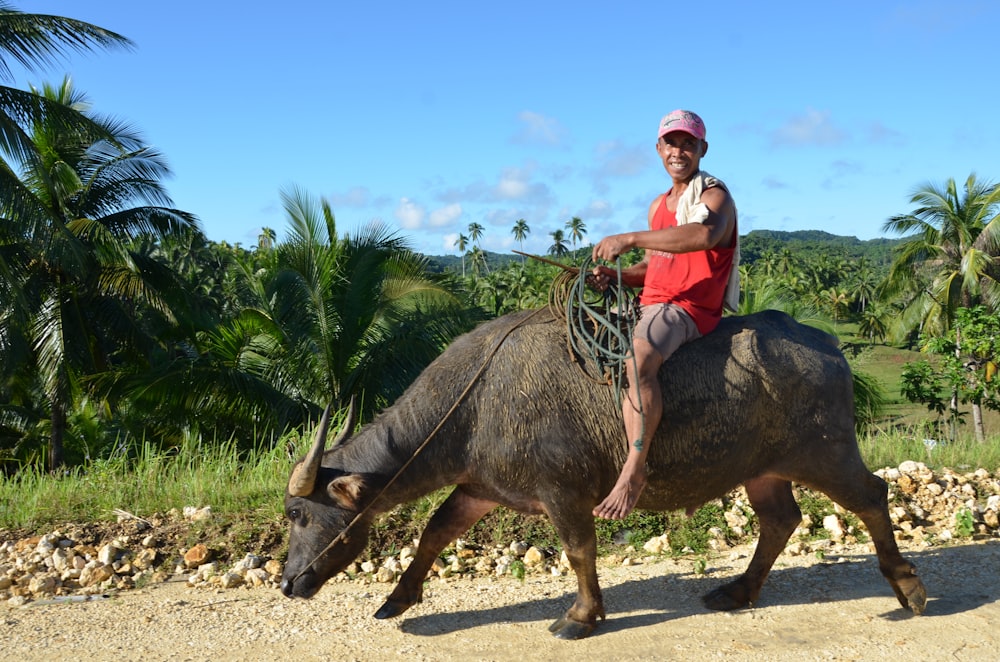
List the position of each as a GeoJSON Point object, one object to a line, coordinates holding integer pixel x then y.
{"type": "Point", "coordinates": [330, 319]}
{"type": "Point", "coordinates": [953, 245]}
{"type": "Point", "coordinates": [520, 232]}
{"type": "Point", "coordinates": [478, 259]}
{"type": "Point", "coordinates": [558, 247]}
{"type": "Point", "coordinates": [71, 268]}
{"type": "Point", "coordinates": [35, 40]}
{"type": "Point", "coordinates": [872, 324]}
{"type": "Point", "coordinates": [576, 228]}
{"type": "Point", "coordinates": [475, 232]}
{"type": "Point", "coordinates": [363, 315]}
{"type": "Point", "coordinates": [951, 257]}
{"type": "Point", "coordinates": [461, 244]}
{"type": "Point", "coordinates": [266, 238]}
{"type": "Point", "coordinates": [863, 283]}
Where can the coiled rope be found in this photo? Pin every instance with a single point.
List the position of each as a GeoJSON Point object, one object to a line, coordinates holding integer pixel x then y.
{"type": "Point", "coordinates": [599, 325]}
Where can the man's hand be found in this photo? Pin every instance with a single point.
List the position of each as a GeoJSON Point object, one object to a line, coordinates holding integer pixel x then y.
{"type": "Point", "coordinates": [601, 277]}
{"type": "Point", "coordinates": [611, 247]}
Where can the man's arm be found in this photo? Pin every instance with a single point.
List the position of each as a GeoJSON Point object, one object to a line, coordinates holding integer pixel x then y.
{"type": "Point", "coordinates": [716, 229]}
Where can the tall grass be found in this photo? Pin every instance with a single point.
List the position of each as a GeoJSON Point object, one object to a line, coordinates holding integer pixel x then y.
{"type": "Point", "coordinates": [144, 480]}
{"type": "Point", "coordinates": [892, 447]}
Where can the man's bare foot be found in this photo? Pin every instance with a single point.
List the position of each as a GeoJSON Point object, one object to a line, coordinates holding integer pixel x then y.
{"type": "Point", "coordinates": [622, 498]}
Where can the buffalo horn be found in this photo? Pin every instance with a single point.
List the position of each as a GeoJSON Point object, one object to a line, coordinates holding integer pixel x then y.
{"type": "Point", "coordinates": [348, 427]}
{"type": "Point", "coordinates": [303, 478]}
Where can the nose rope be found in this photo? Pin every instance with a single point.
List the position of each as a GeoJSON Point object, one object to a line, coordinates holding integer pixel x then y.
{"type": "Point", "coordinates": [489, 357]}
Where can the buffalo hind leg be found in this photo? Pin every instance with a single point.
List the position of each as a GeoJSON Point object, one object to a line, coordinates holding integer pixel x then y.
{"type": "Point", "coordinates": [459, 512]}
{"type": "Point", "coordinates": [575, 528]}
{"type": "Point", "coordinates": [866, 495]}
{"type": "Point", "coordinates": [778, 515]}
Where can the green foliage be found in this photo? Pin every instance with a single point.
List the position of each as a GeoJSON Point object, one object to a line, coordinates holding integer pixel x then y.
{"type": "Point", "coordinates": [870, 399]}
{"type": "Point", "coordinates": [964, 365]}
{"type": "Point", "coordinates": [964, 523]}
{"type": "Point", "coordinates": [693, 532]}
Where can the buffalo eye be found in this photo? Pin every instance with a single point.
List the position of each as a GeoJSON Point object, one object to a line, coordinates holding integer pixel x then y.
{"type": "Point", "coordinates": [294, 514]}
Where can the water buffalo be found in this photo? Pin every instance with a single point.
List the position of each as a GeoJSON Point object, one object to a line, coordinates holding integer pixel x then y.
{"type": "Point", "coordinates": [763, 401]}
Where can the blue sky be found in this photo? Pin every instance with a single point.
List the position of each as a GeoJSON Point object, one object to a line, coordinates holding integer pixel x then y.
{"type": "Point", "coordinates": [431, 116]}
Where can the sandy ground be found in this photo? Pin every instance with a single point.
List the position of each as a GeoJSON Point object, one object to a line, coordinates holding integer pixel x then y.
{"type": "Point", "coordinates": [838, 608]}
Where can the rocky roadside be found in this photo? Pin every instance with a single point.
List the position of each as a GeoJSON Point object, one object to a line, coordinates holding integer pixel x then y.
{"type": "Point", "coordinates": [927, 508]}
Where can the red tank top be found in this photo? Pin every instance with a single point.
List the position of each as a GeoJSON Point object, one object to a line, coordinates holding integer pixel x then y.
{"type": "Point", "coordinates": [694, 281]}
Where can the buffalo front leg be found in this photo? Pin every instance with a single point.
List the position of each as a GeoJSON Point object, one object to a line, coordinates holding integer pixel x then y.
{"type": "Point", "coordinates": [778, 515]}
{"type": "Point", "coordinates": [459, 512]}
{"type": "Point", "coordinates": [579, 538]}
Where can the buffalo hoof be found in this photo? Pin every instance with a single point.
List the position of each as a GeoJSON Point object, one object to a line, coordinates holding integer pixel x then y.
{"type": "Point", "coordinates": [391, 609]}
{"type": "Point", "coordinates": [915, 596]}
{"type": "Point", "coordinates": [565, 628]}
{"type": "Point", "coordinates": [725, 598]}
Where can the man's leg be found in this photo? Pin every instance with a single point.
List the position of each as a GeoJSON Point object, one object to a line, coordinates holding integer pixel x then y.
{"type": "Point", "coordinates": [640, 426]}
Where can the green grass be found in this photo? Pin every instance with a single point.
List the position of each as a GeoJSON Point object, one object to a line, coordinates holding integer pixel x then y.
{"type": "Point", "coordinates": [148, 481]}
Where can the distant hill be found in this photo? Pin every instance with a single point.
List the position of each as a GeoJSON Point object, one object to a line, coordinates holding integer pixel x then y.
{"type": "Point", "coordinates": [804, 242]}
{"type": "Point", "coordinates": [752, 246]}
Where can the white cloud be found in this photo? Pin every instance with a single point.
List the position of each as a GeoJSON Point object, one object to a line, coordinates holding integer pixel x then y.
{"type": "Point", "coordinates": [513, 184]}
{"type": "Point", "coordinates": [445, 215]}
{"type": "Point", "coordinates": [356, 196]}
{"type": "Point", "coordinates": [615, 159]}
{"type": "Point", "coordinates": [537, 129]}
{"type": "Point", "coordinates": [812, 128]}
{"type": "Point", "coordinates": [448, 242]}
{"type": "Point", "coordinates": [597, 209]}
{"type": "Point", "coordinates": [410, 214]}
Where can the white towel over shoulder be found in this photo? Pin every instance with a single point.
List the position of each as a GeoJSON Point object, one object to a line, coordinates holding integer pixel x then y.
{"type": "Point", "coordinates": [690, 209]}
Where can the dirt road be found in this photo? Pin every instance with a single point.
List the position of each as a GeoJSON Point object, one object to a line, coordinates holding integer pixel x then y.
{"type": "Point", "coordinates": [838, 608]}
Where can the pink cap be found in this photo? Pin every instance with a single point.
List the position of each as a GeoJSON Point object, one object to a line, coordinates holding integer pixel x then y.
{"type": "Point", "coordinates": [682, 120]}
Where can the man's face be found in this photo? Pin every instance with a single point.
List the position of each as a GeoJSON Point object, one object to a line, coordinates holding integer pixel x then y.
{"type": "Point", "coordinates": [681, 153]}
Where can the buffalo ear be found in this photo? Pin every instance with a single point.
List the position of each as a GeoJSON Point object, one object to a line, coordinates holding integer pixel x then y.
{"type": "Point", "coordinates": [346, 491]}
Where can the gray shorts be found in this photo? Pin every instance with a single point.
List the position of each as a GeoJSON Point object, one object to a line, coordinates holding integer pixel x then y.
{"type": "Point", "coordinates": [666, 326]}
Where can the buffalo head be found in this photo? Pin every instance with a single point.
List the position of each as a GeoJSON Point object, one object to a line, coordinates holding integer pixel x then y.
{"type": "Point", "coordinates": [320, 504]}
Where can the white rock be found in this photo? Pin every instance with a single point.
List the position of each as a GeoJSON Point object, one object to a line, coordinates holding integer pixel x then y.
{"type": "Point", "coordinates": [145, 558]}
{"type": "Point", "coordinates": [534, 556]}
{"type": "Point", "coordinates": [256, 577]}
{"type": "Point", "coordinates": [61, 559]}
{"type": "Point", "coordinates": [43, 584]}
{"type": "Point", "coordinates": [231, 580]}
{"type": "Point", "coordinates": [657, 545]}
{"type": "Point", "coordinates": [107, 554]}
{"type": "Point", "coordinates": [95, 574]}
{"type": "Point", "coordinates": [834, 526]}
